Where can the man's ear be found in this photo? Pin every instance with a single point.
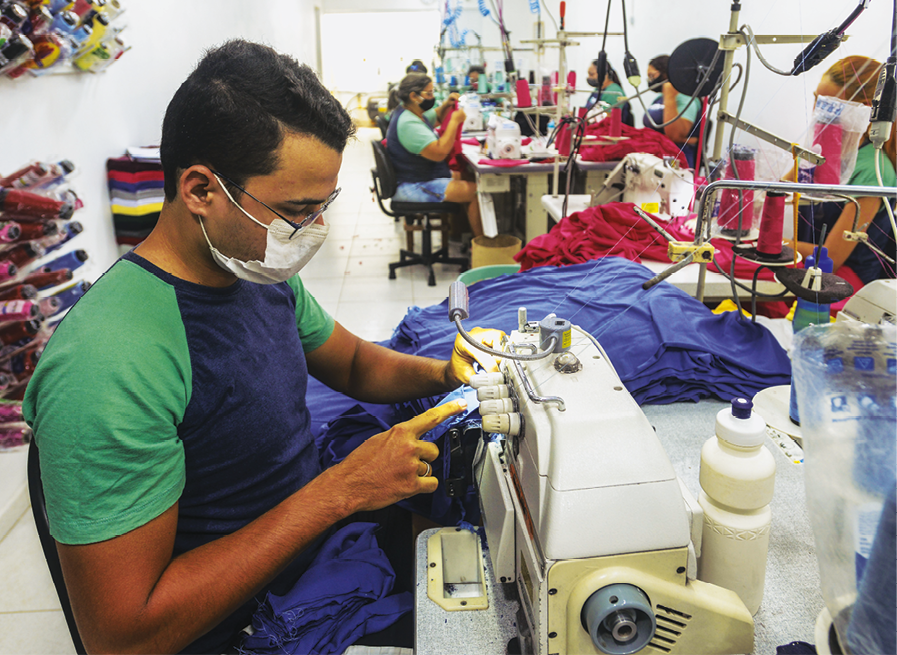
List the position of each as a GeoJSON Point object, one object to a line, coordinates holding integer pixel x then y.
{"type": "Point", "coordinates": [196, 187]}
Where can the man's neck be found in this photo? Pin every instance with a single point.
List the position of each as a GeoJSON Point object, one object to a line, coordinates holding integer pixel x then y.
{"type": "Point", "coordinates": [177, 246]}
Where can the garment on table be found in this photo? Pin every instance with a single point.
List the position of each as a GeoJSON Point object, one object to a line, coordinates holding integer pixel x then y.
{"type": "Point", "coordinates": [609, 94]}
{"type": "Point", "coordinates": [637, 140]}
{"type": "Point", "coordinates": [503, 163]}
{"type": "Point", "coordinates": [665, 345]}
{"type": "Point", "coordinates": [154, 390]}
{"type": "Point", "coordinates": [862, 260]}
{"type": "Point", "coordinates": [343, 595]}
{"type": "Point", "coordinates": [408, 135]}
{"type": "Point", "coordinates": [614, 229]}
{"type": "Point", "coordinates": [690, 112]}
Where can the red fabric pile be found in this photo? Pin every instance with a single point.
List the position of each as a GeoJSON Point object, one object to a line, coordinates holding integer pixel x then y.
{"type": "Point", "coordinates": [640, 139]}
{"type": "Point", "coordinates": [614, 229]}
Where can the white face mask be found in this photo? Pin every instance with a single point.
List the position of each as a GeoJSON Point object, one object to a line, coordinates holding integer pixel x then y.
{"type": "Point", "coordinates": [284, 257]}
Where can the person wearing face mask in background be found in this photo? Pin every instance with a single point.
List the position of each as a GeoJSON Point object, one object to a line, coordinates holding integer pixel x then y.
{"type": "Point", "coordinates": [854, 79]}
{"type": "Point", "coordinates": [669, 104]}
{"type": "Point", "coordinates": [419, 155]}
{"type": "Point", "coordinates": [473, 74]}
{"type": "Point", "coordinates": [181, 477]}
{"type": "Point", "coordinates": [611, 92]}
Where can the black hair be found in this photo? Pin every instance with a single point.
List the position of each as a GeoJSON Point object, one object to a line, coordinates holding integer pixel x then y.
{"type": "Point", "coordinates": [476, 68]}
{"type": "Point", "coordinates": [412, 83]}
{"type": "Point", "coordinates": [416, 66]}
{"type": "Point", "coordinates": [236, 107]}
{"type": "Point", "coordinates": [611, 73]}
{"type": "Point", "coordinates": [662, 64]}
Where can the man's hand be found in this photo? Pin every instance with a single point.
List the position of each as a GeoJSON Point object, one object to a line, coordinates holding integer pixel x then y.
{"type": "Point", "coordinates": [392, 465]}
{"type": "Point", "coordinates": [460, 367]}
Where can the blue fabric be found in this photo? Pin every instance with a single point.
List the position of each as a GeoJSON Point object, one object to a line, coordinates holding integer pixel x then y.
{"type": "Point", "coordinates": [872, 624]}
{"type": "Point", "coordinates": [245, 431]}
{"type": "Point", "coordinates": [136, 186]}
{"type": "Point", "coordinates": [351, 428]}
{"type": "Point", "coordinates": [429, 191]}
{"type": "Point", "coordinates": [343, 596]}
{"type": "Point", "coordinates": [408, 166]}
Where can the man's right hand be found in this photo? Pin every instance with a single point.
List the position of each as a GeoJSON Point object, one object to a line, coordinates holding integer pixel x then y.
{"type": "Point", "coordinates": [390, 466]}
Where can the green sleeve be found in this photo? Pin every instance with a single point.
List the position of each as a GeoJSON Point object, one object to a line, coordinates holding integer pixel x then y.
{"type": "Point", "coordinates": [105, 401]}
{"type": "Point", "coordinates": [315, 325]}
{"type": "Point", "coordinates": [612, 93]}
{"type": "Point", "coordinates": [415, 134]}
{"type": "Point", "coordinates": [864, 171]}
{"type": "Point", "coordinates": [691, 114]}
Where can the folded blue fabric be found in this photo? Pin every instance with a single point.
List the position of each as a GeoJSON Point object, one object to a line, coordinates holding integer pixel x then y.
{"type": "Point", "coordinates": [343, 596]}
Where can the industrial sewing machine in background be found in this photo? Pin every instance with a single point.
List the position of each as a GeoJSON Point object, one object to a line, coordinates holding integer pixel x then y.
{"type": "Point", "coordinates": [502, 138]}
{"type": "Point", "coordinates": [657, 186]}
{"type": "Point", "coordinates": [582, 510]}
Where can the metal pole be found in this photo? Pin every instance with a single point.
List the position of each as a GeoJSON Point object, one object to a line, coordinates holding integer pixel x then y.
{"type": "Point", "coordinates": [728, 58]}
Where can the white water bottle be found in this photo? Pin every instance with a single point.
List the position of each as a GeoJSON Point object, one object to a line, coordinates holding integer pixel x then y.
{"type": "Point", "coordinates": [737, 480]}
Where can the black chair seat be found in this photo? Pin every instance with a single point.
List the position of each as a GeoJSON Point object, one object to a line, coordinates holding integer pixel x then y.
{"type": "Point", "coordinates": [403, 208]}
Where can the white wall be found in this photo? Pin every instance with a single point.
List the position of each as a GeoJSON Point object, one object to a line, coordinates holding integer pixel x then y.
{"type": "Point", "coordinates": [89, 118]}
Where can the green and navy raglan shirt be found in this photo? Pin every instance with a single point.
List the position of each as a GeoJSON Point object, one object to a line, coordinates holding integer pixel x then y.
{"type": "Point", "coordinates": [154, 390]}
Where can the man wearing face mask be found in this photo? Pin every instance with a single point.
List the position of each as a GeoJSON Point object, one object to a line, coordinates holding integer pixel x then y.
{"type": "Point", "coordinates": [182, 482]}
{"type": "Point", "coordinates": [419, 155]}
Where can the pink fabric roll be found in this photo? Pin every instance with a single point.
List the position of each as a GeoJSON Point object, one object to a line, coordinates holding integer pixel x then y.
{"type": "Point", "coordinates": [523, 97]}
{"type": "Point", "coordinates": [554, 84]}
{"type": "Point", "coordinates": [728, 202]}
{"type": "Point", "coordinates": [828, 138]}
{"type": "Point", "coordinates": [616, 122]}
{"type": "Point", "coordinates": [771, 222]}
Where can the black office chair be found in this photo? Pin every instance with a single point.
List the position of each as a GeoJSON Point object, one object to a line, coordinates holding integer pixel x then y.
{"type": "Point", "coordinates": [423, 217]}
{"type": "Point", "coordinates": [382, 123]}
{"type": "Point", "coordinates": [39, 510]}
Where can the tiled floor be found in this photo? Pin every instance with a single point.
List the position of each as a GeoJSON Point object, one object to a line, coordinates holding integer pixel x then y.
{"type": "Point", "coordinates": [348, 276]}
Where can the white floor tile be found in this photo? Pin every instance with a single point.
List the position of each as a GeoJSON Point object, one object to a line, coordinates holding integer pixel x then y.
{"type": "Point", "coordinates": [373, 266]}
{"type": "Point", "coordinates": [37, 633]}
{"type": "Point", "coordinates": [334, 266]}
{"type": "Point", "coordinates": [24, 576]}
{"type": "Point", "coordinates": [376, 289]}
{"type": "Point", "coordinates": [374, 321]}
{"type": "Point", "coordinates": [391, 245]}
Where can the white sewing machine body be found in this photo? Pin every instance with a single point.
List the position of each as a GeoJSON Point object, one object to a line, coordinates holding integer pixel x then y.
{"type": "Point", "coordinates": [585, 500]}
{"type": "Point", "coordinates": [651, 183]}
{"type": "Point", "coordinates": [502, 138]}
{"type": "Point", "coordinates": [470, 103]}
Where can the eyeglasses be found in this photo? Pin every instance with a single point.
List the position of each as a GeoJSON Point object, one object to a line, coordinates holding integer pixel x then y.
{"type": "Point", "coordinates": [297, 227]}
{"type": "Point", "coordinates": [427, 94]}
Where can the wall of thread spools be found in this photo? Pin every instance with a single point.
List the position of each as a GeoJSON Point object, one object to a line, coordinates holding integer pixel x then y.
{"type": "Point", "coordinates": [37, 36]}
{"type": "Point", "coordinates": [38, 284]}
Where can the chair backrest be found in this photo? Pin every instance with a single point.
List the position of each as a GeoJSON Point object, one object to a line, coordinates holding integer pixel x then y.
{"type": "Point", "coordinates": [626, 116]}
{"type": "Point", "coordinates": [48, 544]}
{"type": "Point", "coordinates": [383, 124]}
{"type": "Point", "coordinates": [386, 174]}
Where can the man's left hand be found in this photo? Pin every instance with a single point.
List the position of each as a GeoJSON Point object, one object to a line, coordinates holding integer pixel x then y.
{"type": "Point", "coordinates": [460, 367]}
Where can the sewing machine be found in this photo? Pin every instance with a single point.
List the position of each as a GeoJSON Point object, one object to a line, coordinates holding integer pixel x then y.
{"type": "Point", "coordinates": [502, 138]}
{"type": "Point", "coordinates": [653, 184]}
{"type": "Point", "coordinates": [875, 304]}
{"type": "Point", "coordinates": [470, 103]}
{"type": "Point", "coordinates": [582, 509]}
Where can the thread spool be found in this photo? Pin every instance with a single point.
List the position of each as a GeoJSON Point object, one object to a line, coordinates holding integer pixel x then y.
{"type": "Point", "coordinates": [772, 220]}
{"type": "Point", "coordinates": [743, 161]}
{"type": "Point", "coordinates": [563, 139]}
{"type": "Point", "coordinates": [616, 122]}
{"type": "Point", "coordinates": [523, 97]}
{"type": "Point", "coordinates": [828, 136]}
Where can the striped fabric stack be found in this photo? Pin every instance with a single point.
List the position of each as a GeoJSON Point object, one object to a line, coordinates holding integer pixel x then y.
{"type": "Point", "coordinates": [135, 190]}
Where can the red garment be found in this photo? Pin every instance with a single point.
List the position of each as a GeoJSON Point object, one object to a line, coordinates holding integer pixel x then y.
{"type": "Point", "coordinates": [452, 158]}
{"type": "Point", "coordinates": [641, 139]}
{"type": "Point", "coordinates": [470, 142]}
{"type": "Point", "coordinates": [614, 229]}
{"type": "Point", "coordinates": [134, 178]}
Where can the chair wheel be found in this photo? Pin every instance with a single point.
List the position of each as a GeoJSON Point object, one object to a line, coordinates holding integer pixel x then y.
{"type": "Point", "coordinates": [431, 279]}
{"type": "Point", "coordinates": [392, 274]}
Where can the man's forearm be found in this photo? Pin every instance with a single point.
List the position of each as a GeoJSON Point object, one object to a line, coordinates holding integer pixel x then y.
{"type": "Point", "coordinates": [381, 375]}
